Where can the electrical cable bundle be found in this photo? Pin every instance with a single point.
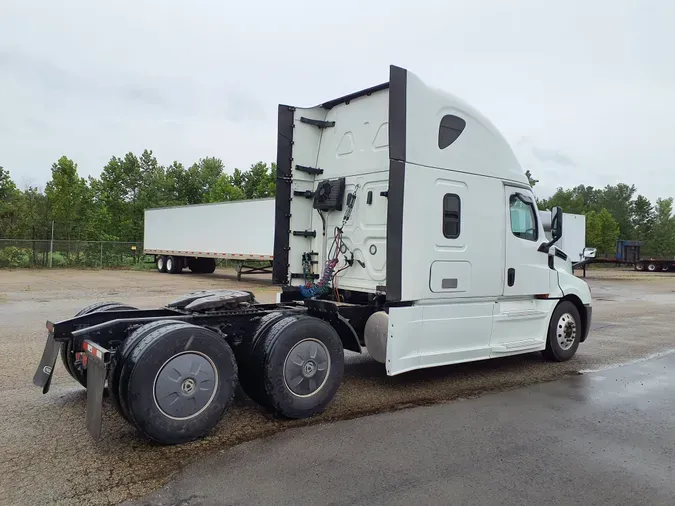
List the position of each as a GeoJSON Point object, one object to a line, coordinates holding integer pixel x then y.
{"type": "Point", "coordinates": [322, 286]}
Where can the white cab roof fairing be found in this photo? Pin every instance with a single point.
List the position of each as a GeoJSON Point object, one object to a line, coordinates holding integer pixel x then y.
{"type": "Point", "coordinates": [480, 149]}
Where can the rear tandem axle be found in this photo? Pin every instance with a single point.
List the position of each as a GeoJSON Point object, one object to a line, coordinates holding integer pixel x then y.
{"type": "Point", "coordinates": [173, 372]}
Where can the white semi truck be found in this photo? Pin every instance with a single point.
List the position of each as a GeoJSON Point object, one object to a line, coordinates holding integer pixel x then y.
{"type": "Point", "coordinates": [195, 236]}
{"type": "Point", "coordinates": [403, 225]}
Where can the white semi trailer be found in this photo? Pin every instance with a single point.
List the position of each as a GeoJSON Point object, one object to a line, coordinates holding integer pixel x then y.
{"type": "Point", "coordinates": [573, 240]}
{"type": "Point", "coordinates": [403, 224]}
{"type": "Point", "coordinates": [195, 236]}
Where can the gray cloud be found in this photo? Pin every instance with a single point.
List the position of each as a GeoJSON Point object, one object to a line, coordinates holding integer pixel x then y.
{"type": "Point", "coordinates": [28, 67]}
{"type": "Point", "coordinates": [593, 94]}
{"type": "Point", "coordinates": [144, 95]}
{"type": "Point", "coordinates": [556, 157]}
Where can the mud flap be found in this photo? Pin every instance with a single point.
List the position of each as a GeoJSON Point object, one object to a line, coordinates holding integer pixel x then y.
{"type": "Point", "coordinates": [43, 375]}
{"type": "Point", "coordinates": [98, 359]}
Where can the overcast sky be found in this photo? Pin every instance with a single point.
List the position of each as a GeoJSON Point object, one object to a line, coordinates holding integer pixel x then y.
{"type": "Point", "coordinates": [584, 90]}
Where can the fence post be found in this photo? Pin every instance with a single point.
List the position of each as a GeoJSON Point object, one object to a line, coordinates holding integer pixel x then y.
{"type": "Point", "coordinates": [51, 246]}
{"type": "Point", "coordinates": [101, 254]}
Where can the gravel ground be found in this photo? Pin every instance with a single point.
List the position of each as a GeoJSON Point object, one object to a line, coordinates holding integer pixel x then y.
{"type": "Point", "coordinates": [47, 455]}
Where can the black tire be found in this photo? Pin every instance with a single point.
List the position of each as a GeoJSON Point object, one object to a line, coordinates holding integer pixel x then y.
{"type": "Point", "coordinates": [156, 360]}
{"type": "Point", "coordinates": [174, 265]}
{"type": "Point", "coordinates": [67, 351]}
{"type": "Point", "coordinates": [119, 374]}
{"type": "Point", "coordinates": [252, 361]}
{"type": "Point", "coordinates": [202, 265]}
{"type": "Point", "coordinates": [639, 266]}
{"type": "Point", "coordinates": [321, 345]}
{"type": "Point", "coordinates": [651, 267]}
{"type": "Point", "coordinates": [208, 265]}
{"type": "Point", "coordinates": [566, 325]}
{"type": "Point", "coordinates": [194, 265]}
{"type": "Point", "coordinates": [161, 263]}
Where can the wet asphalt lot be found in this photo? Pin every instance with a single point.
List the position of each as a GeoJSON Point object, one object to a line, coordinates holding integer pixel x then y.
{"type": "Point", "coordinates": [47, 456]}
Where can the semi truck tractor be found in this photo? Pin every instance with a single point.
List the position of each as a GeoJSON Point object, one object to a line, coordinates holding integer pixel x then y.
{"type": "Point", "coordinates": [403, 226]}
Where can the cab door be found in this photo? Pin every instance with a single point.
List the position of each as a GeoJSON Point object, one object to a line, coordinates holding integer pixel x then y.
{"type": "Point", "coordinates": [526, 269]}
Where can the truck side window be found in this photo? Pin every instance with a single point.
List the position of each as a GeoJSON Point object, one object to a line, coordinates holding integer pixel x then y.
{"type": "Point", "coordinates": [451, 215]}
{"type": "Point", "coordinates": [523, 219]}
{"type": "Point", "coordinates": [449, 130]}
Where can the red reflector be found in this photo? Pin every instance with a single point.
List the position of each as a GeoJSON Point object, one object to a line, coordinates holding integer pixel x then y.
{"type": "Point", "coordinates": [541, 296]}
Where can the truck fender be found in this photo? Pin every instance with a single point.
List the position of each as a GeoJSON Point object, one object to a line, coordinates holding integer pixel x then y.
{"type": "Point", "coordinates": [585, 312]}
{"type": "Point", "coordinates": [348, 336]}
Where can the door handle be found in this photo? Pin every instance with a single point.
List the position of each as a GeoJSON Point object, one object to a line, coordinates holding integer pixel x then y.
{"type": "Point", "coordinates": [511, 277]}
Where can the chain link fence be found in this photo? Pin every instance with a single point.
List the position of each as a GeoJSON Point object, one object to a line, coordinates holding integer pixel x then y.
{"type": "Point", "coordinates": [20, 253]}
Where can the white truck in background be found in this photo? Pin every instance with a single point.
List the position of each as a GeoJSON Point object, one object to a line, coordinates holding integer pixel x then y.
{"type": "Point", "coordinates": [573, 240]}
{"type": "Point", "coordinates": [403, 224]}
{"type": "Point", "coordinates": [196, 236]}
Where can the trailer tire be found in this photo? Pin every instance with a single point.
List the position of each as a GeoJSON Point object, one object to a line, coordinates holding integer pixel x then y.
{"type": "Point", "coordinates": [202, 265]}
{"type": "Point", "coordinates": [304, 366]}
{"type": "Point", "coordinates": [651, 267]}
{"type": "Point", "coordinates": [67, 352]}
{"type": "Point", "coordinates": [194, 265]}
{"type": "Point", "coordinates": [118, 375]}
{"type": "Point", "coordinates": [160, 261]}
{"type": "Point", "coordinates": [564, 332]}
{"type": "Point", "coordinates": [174, 265]}
{"type": "Point", "coordinates": [181, 380]}
{"type": "Point", "coordinates": [639, 266]}
{"type": "Point", "coordinates": [208, 265]}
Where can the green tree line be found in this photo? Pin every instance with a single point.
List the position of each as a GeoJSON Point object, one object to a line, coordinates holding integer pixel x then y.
{"type": "Point", "coordinates": [111, 207]}
{"type": "Point", "coordinates": [616, 212]}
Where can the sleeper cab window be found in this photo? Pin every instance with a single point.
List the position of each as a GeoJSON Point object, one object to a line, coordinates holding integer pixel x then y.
{"type": "Point", "coordinates": [451, 215]}
{"type": "Point", "coordinates": [449, 130]}
{"type": "Point", "coordinates": [523, 219]}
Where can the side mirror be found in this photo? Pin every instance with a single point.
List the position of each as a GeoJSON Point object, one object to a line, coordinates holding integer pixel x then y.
{"type": "Point", "coordinates": [556, 223]}
{"type": "Point", "coordinates": [589, 252]}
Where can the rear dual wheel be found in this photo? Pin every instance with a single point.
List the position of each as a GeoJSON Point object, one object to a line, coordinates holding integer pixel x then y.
{"type": "Point", "coordinates": [173, 381]}
{"type": "Point", "coordinates": [174, 265]}
{"type": "Point", "coordinates": [296, 366]}
{"type": "Point", "coordinates": [202, 265]}
{"type": "Point", "coordinates": [161, 263]}
{"type": "Point", "coordinates": [67, 349]}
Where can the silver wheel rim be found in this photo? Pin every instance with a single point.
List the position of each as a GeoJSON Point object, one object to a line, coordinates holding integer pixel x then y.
{"type": "Point", "coordinates": [160, 263]}
{"type": "Point", "coordinates": [185, 385]}
{"type": "Point", "coordinates": [169, 264]}
{"type": "Point", "coordinates": [307, 367]}
{"type": "Point", "coordinates": [566, 331]}
{"type": "Point", "coordinates": [651, 267]}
